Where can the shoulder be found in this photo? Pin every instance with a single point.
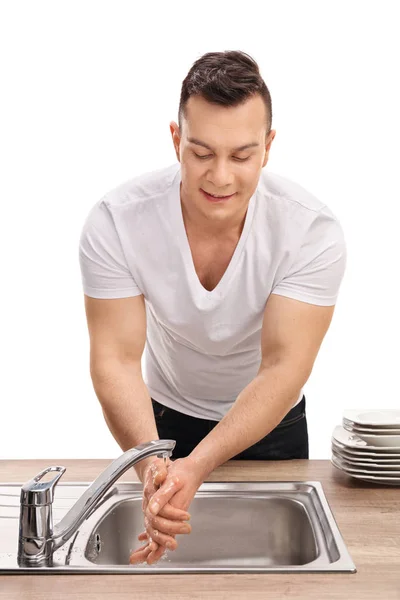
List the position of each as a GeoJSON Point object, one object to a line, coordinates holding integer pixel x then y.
{"type": "Point", "coordinates": [293, 209]}
{"type": "Point", "coordinates": [287, 193]}
{"type": "Point", "coordinates": [141, 188]}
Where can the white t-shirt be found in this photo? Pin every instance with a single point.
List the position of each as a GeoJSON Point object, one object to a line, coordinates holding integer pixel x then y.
{"type": "Point", "coordinates": [203, 348]}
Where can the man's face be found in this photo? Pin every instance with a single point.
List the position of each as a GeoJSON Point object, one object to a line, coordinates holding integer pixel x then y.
{"type": "Point", "coordinates": [221, 169]}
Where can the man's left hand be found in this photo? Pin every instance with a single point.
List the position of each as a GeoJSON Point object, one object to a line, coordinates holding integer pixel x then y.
{"type": "Point", "coordinates": [179, 488]}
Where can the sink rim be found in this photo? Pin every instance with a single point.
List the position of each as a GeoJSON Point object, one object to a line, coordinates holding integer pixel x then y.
{"type": "Point", "coordinates": [121, 490]}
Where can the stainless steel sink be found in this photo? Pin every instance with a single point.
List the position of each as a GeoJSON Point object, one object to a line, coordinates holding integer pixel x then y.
{"type": "Point", "coordinates": [250, 527]}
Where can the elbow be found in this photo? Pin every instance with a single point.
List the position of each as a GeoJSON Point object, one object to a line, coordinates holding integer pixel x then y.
{"type": "Point", "coordinates": [292, 373]}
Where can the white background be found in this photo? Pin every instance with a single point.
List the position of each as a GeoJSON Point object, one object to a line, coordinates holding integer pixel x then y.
{"type": "Point", "coordinates": [88, 91]}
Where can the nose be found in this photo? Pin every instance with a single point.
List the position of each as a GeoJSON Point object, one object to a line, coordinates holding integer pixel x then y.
{"type": "Point", "coordinates": [220, 177]}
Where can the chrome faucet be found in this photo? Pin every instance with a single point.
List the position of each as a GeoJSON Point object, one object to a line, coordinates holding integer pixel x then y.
{"type": "Point", "coordinates": [38, 540]}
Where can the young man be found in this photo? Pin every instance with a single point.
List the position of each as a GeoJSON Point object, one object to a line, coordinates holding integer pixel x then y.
{"type": "Point", "coordinates": [229, 298]}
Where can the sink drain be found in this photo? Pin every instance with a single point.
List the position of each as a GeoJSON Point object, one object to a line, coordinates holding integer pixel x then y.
{"type": "Point", "coordinates": [97, 542]}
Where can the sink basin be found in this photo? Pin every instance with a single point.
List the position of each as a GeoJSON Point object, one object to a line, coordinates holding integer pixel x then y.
{"type": "Point", "coordinates": [251, 527]}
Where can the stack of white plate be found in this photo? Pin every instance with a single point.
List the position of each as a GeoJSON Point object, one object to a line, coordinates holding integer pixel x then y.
{"type": "Point", "coordinates": [367, 446]}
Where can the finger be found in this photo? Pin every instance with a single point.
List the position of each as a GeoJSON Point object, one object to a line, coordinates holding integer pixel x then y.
{"type": "Point", "coordinates": [154, 475]}
{"type": "Point", "coordinates": [149, 488]}
{"type": "Point", "coordinates": [148, 492]}
{"type": "Point", "coordinates": [164, 540]}
{"type": "Point", "coordinates": [164, 530]}
{"type": "Point", "coordinates": [140, 555]}
{"type": "Point", "coordinates": [159, 472]}
{"type": "Point", "coordinates": [168, 527]}
{"type": "Point", "coordinates": [174, 514]}
{"type": "Point", "coordinates": [141, 549]}
{"type": "Point", "coordinates": [152, 544]}
{"type": "Point", "coordinates": [144, 536]}
{"type": "Point", "coordinates": [153, 557]}
{"type": "Point", "coordinates": [164, 494]}
{"type": "Point", "coordinates": [169, 512]}
{"type": "Point", "coordinates": [160, 537]}
{"type": "Point", "coordinates": [167, 546]}
{"type": "Point", "coordinates": [154, 478]}
{"type": "Point", "coordinates": [156, 554]}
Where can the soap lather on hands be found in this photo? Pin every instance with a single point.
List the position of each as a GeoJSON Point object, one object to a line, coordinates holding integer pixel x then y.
{"type": "Point", "coordinates": [172, 485]}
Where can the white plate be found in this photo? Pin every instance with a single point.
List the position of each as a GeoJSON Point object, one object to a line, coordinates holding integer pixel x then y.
{"type": "Point", "coordinates": [350, 426]}
{"type": "Point", "coordinates": [369, 478]}
{"type": "Point", "coordinates": [355, 441]}
{"type": "Point", "coordinates": [383, 418]}
{"type": "Point", "coordinates": [370, 467]}
{"type": "Point", "coordinates": [368, 471]}
{"type": "Point", "coordinates": [384, 441]}
{"type": "Point", "coordinates": [380, 457]}
{"type": "Point", "coordinates": [375, 439]}
{"type": "Point", "coordinates": [366, 457]}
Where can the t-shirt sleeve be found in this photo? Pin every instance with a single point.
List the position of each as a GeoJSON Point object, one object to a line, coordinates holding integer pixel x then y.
{"type": "Point", "coordinates": [318, 269]}
{"type": "Point", "coordinates": [103, 265]}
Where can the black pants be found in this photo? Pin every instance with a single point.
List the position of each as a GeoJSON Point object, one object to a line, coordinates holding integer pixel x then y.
{"type": "Point", "coordinates": [288, 440]}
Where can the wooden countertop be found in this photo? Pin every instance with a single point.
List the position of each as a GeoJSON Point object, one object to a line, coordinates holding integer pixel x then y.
{"type": "Point", "coordinates": [368, 517]}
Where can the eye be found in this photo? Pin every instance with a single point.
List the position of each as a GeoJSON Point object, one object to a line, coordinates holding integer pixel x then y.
{"type": "Point", "coordinates": [208, 155]}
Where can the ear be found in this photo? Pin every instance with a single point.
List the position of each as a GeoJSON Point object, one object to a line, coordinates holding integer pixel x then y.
{"type": "Point", "coordinates": [176, 137]}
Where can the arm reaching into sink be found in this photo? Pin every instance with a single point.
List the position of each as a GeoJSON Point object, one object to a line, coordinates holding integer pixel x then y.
{"type": "Point", "coordinates": [117, 330]}
{"type": "Point", "coordinates": [258, 409]}
{"type": "Point", "coordinates": [292, 334]}
{"type": "Point", "coordinates": [250, 418]}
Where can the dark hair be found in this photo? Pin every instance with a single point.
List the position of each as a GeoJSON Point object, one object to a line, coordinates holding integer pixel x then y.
{"type": "Point", "coordinates": [226, 78]}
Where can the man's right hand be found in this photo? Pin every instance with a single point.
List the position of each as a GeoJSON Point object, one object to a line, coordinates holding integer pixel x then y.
{"type": "Point", "coordinates": [154, 474]}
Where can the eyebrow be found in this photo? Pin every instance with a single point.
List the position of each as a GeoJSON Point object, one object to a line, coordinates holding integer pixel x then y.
{"type": "Point", "coordinates": [200, 143]}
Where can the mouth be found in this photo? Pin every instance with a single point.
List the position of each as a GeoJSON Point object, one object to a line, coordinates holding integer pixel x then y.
{"type": "Point", "coordinates": [212, 198]}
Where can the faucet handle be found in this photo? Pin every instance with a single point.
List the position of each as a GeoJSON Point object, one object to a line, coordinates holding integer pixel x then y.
{"type": "Point", "coordinates": [35, 493]}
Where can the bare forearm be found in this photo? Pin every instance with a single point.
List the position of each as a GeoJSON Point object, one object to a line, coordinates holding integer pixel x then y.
{"type": "Point", "coordinates": [258, 409]}
{"type": "Point", "coordinates": [127, 407]}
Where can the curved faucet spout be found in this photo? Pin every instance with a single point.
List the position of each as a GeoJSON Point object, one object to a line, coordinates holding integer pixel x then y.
{"type": "Point", "coordinates": [38, 542]}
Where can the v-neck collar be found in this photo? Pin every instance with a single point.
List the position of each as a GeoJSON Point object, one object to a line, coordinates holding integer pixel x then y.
{"type": "Point", "coordinates": [183, 243]}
